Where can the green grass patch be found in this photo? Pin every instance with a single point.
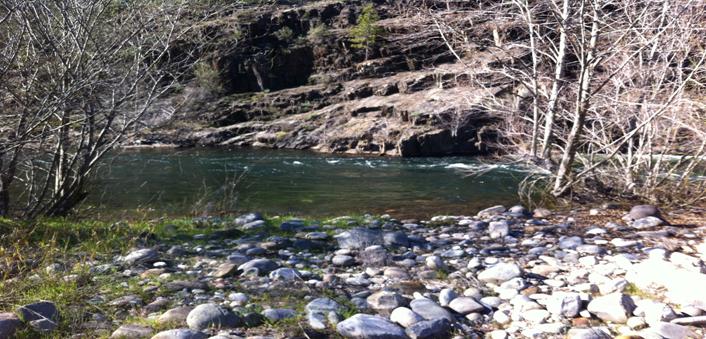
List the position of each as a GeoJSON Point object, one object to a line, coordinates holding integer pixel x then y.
{"type": "Point", "coordinates": [78, 247]}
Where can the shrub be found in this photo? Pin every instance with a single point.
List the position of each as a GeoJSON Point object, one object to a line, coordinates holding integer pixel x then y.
{"type": "Point", "coordinates": [365, 33]}
{"type": "Point", "coordinates": [318, 33]}
{"type": "Point", "coordinates": [284, 34]}
{"type": "Point", "coordinates": [208, 77]}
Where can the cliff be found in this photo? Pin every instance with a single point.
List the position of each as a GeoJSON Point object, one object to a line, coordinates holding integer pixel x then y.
{"type": "Point", "coordinates": [286, 76]}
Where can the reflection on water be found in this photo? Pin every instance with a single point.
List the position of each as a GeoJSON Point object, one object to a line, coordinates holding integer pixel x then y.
{"type": "Point", "coordinates": [197, 181]}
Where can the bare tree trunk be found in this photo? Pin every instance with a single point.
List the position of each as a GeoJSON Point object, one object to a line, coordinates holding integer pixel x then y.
{"type": "Point", "coordinates": [582, 107]}
{"type": "Point", "coordinates": [556, 84]}
{"type": "Point", "coordinates": [535, 86]}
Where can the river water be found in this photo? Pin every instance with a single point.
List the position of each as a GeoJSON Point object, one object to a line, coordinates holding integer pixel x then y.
{"type": "Point", "coordinates": [211, 181]}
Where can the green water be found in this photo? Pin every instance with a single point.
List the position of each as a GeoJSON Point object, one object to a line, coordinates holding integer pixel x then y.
{"type": "Point", "coordinates": [208, 181]}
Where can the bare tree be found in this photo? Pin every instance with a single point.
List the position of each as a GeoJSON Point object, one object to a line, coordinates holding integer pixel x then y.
{"type": "Point", "coordinates": [76, 77]}
{"type": "Point", "coordinates": [623, 79]}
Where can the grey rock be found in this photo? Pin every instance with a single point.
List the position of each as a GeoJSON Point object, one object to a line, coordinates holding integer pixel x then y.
{"type": "Point", "coordinates": [43, 325]}
{"type": "Point", "coordinates": [238, 259]}
{"type": "Point", "coordinates": [396, 239]}
{"type": "Point", "coordinates": [500, 272]}
{"type": "Point", "coordinates": [9, 324]}
{"type": "Point", "coordinates": [141, 257]}
{"type": "Point", "coordinates": [374, 256]}
{"type": "Point", "coordinates": [249, 217]}
{"type": "Point", "coordinates": [225, 270]}
{"type": "Point", "coordinates": [492, 211]}
{"type": "Point", "coordinates": [318, 311]}
{"type": "Point", "coordinates": [211, 315]}
{"type": "Point", "coordinates": [615, 307]}
{"type": "Point", "coordinates": [385, 301]}
{"type": "Point", "coordinates": [180, 333]}
{"type": "Point", "coordinates": [588, 333]}
{"type": "Point", "coordinates": [364, 326]}
{"type": "Point", "coordinates": [130, 300]}
{"type": "Point", "coordinates": [691, 321]}
{"type": "Point", "coordinates": [435, 262]}
{"type": "Point", "coordinates": [498, 229]}
{"type": "Point", "coordinates": [396, 273]}
{"type": "Point", "coordinates": [590, 249]}
{"type": "Point", "coordinates": [405, 317]}
{"type": "Point", "coordinates": [430, 310]}
{"type": "Point", "coordinates": [446, 295]}
{"type": "Point", "coordinates": [261, 266]}
{"type": "Point", "coordinates": [465, 305]}
{"type": "Point", "coordinates": [38, 310]}
{"type": "Point", "coordinates": [359, 238]}
{"type": "Point", "coordinates": [541, 213]}
{"type": "Point", "coordinates": [646, 222]}
{"type": "Point", "coordinates": [131, 331]}
{"type": "Point", "coordinates": [239, 298]}
{"type": "Point", "coordinates": [564, 304]}
{"type": "Point", "coordinates": [175, 315]}
{"type": "Point", "coordinates": [291, 225]}
{"type": "Point", "coordinates": [277, 314]}
{"type": "Point", "coordinates": [429, 329]}
{"type": "Point", "coordinates": [285, 274]}
{"type": "Point", "coordinates": [670, 331]}
{"type": "Point", "coordinates": [253, 225]}
{"type": "Point", "coordinates": [518, 211]}
{"type": "Point", "coordinates": [643, 211]}
{"type": "Point", "coordinates": [342, 260]}
{"type": "Point", "coordinates": [570, 243]}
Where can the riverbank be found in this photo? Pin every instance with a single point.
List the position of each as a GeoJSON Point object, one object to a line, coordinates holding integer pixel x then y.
{"type": "Point", "coordinates": [503, 273]}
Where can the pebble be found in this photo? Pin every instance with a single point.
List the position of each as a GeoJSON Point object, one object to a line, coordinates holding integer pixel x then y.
{"type": "Point", "coordinates": [540, 280]}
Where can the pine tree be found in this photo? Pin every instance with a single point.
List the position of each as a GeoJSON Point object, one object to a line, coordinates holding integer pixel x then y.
{"type": "Point", "coordinates": [366, 31]}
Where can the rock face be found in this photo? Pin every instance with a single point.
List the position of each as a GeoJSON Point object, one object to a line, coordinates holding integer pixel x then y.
{"type": "Point", "coordinates": [290, 85]}
{"type": "Point", "coordinates": [211, 315]}
{"type": "Point", "coordinates": [364, 326]}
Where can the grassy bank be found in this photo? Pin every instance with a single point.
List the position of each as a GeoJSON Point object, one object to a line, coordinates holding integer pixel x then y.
{"type": "Point", "coordinates": [64, 261]}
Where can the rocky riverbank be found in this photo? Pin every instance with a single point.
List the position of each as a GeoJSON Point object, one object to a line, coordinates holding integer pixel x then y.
{"type": "Point", "coordinates": [503, 273]}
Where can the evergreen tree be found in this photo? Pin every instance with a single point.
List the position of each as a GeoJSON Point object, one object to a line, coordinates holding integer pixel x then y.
{"type": "Point", "coordinates": [366, 31]}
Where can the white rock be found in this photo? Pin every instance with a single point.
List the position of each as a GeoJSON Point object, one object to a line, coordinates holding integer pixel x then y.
{"type": "Point", "coordinates": [465, 305]}
{"type": "Point", "coordinates": [500, 272]}
{"type": "Point", "coordinates": [446, 295]}
{"type": "Point", "coordinates": [616, 307]}
{"type": "Point", "coordinates": [564, 304]}
{"type": "Point", "coordinates": [405, 317]}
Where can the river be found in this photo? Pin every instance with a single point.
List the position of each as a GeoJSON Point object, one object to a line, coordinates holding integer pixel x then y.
{"type": "Point", "coordinates": [278, 182]}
